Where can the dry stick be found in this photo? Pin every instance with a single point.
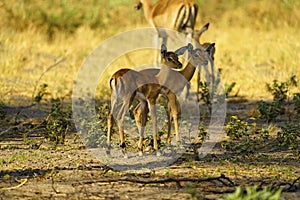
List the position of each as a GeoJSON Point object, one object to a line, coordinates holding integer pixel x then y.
{"type": "Point", "coordinates": [291, 185]}
{"type": "Point", "coordinates": [294, 182]}
{"type": "Point", "coordinates": [15, 187]}
{"type": "Point", "coordinates": [166, 180]}
{"type": "Point", "coordinates": [13, 127]}
{"type": "Point", "coordinates": [48, 69]}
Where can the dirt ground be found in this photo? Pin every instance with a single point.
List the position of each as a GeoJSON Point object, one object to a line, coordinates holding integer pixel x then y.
{"type": "Point", "coordinates": [69, 171]}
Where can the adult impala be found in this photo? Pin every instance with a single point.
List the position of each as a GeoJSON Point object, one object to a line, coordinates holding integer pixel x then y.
{"type": "Point", "coordinates": [196, 36]}
{"type": "Point", "coordinates": [126, 84]}
{"type": "Point", "coordinates": [178, 15]}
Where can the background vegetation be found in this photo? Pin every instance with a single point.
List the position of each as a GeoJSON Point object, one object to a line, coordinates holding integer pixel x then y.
{"type": "Point", "coordinates": [44, 43]}
{"type": "Point", "coordinates": [256, 41]}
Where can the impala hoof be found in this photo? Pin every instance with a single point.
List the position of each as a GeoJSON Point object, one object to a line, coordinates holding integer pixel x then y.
{"type": "Point", "coordinates": [158, 153]}
{"type": "Point", "coordinates": [124, 154]}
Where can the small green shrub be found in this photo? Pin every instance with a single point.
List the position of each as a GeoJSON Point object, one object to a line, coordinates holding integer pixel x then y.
{"type": "Point", "coordinates": [2, 111]}
{"type": "Point", "coordinates": [57, 122]}
{"type": "Point", "coordinates": [236, 128]}
{"type": "Point", "coordinates": [270, 111]}
{"type": "Point", "coordinates": [280, 90]}
{"type": "Point", "coordinates": [296, 102]}
{"type": "Point", "coordinates": [228, 88]}
{"type": "Point", "coordinates": [41, 92]}
{"type": "Point", "coordinates": [95, 130]}
{"type": "Point", "coordinates": [204, 94]}
{"type": "Point", "coordinates": [202, 132]}
{"type": "Point", "coordinates": [250, 138]}
{"type": "Point", "coordinates": [289, 136]}
{"type": "Point", "coordinates": [249, 193]}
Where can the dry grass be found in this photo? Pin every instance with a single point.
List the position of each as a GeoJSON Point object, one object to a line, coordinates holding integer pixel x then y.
{"type": "Point", "coordinates": [256, 43]}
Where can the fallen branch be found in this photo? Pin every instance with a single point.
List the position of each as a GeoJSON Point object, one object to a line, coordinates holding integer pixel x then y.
{"type": "Point", "coordinates": [220, 178]}
{"type": "Point", "coordinates": [15, 187]}
{"type": "Point", "coordinates": [292, 186]}
{"type": "Point", "coordinates": [14, 127]}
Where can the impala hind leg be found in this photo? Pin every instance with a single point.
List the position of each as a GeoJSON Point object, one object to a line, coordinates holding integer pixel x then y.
{"type": "Point", "coordinates": [120, 122]}
{"type": "Point", "coordinates": [140, 115]}
{"type": "Point", "coordinates": [109, 132]}
{"type": "Point", "coordinates": [115, 107]}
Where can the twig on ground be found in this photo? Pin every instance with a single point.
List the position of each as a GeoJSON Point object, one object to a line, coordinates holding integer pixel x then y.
{"type": "Point", "coordinates": [15, 187]}
{"type": "Point", "coordinates": [165, 180]}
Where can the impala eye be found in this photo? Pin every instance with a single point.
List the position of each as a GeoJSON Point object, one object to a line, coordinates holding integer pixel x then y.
{"type": "Point", "coordinates": [170, 59]}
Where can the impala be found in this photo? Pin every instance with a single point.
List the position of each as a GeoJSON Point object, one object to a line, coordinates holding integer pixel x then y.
{"type": "Point", "coordinates": [196, 36]}
{"type": "Point", "coordinates": [178, 15]}
{"type": "Point", "coordinates": [126, 84]}
{"type": "Point", "coordinates": [173, 85]}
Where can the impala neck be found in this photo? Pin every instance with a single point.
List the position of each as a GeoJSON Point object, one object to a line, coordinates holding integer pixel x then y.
{"type": "Point", "coordinates": [166, 73]}
{"type": "Point", "coordinates": [147, 6]}
{"type": "Point", "coordinates": [188, 71]}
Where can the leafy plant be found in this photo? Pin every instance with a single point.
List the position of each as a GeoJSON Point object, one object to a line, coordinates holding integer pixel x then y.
{"type": "Point", "coordinates": [270, 111]}
{"type": "Point", "coordinates": [280, 90]}
{"type": "Point", "coordinates": [2, 111]}
{"type": "Point", "coordinates": [229, 88]}
{"type": "Point", "coordinates": [250, 138]}
{"type": "Point", "coordinates": [204, 95]}
{"type": "Point", "coordinates": [94, 135]}
{"type": "Point", "coordinates": [296, 102]}
{"type": "Point", "coordinates": [202, 132]}
{"type": "Point", "coordinates": [289, 136]}
{"type": "Point", "coordinates": [57, 122]}
{"type": "Point", "coordinates": [236, 128]}
{"type": "Point", "coordinates": [267, 193]}
{"type": "Point", "coordinates": [41, 92]}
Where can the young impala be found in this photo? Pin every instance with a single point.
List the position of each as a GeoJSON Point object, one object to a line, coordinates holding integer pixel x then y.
{"type": "Point", "coordinates": [172, 83]}
{"type": "Point", "coordinates": [126, 84]}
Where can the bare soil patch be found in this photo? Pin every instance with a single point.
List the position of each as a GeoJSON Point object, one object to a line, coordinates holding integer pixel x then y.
{"type": "Point", "coordinates": [69, 172]}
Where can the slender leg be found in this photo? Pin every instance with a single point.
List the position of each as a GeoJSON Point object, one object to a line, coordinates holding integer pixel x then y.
{"type": "Point", "coordinates": [152, 109]}
{"type": "Point", "coordinates": [198, 82]}
{"type": "Point", "coordinates": [140, 115]}
{"type": "Point", "coordinates": [109, 127]}
{"type": "Point", "coordinates": [169, 115]}
{"type": "Point", "coordinates": [110, 121]}
{"type": "Point", "coordinates": [120, 119]}
{"type": "Point", "coordinates": [175, 113]}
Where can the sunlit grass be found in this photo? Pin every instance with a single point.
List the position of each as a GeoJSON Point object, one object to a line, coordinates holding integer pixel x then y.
{"type": "Point", "coordinates": [255, 44]}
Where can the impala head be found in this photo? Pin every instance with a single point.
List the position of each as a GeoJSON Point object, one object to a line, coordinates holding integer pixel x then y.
{"type": "Point", "coordinates": [200, 56]}
{"type": "Point", "coordinates": [170, 58]}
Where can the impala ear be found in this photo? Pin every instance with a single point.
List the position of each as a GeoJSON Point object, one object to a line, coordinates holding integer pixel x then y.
{"type": "Point", "coordinates": [209, 47]}
{"type": "Point", "coordinates": [180, 51]}
{"type": "Point", "coordinates": [190, 47]}
{"type": "Point", "coordinates": [163, 50]}
{"type": "Point", "coordinates": [205, 27]}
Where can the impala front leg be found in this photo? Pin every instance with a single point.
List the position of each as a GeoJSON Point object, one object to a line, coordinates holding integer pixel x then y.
{"type": "Point", "coordinates": [175, 114]}
{"type": "Point", "coordinates": [152, 109]}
